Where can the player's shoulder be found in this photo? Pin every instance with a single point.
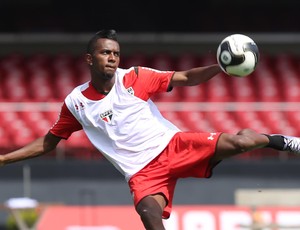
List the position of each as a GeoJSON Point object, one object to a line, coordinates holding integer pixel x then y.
{"type": "Point", "coordinates": [78, 89]}
{"type": "Point", "coordinates": [122, 71]}
{"type": "Point", "coordinates": [129, 72]}
{"type": "Point", "coordinates": [81, 87]}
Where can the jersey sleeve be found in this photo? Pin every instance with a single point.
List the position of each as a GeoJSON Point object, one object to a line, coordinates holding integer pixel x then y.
{"type": "Point", "coordinates": [155, 80]}
{"type": "Point", "coordinates": [66, 124]}
{"type": "Point", "coordinates": [147, 81]}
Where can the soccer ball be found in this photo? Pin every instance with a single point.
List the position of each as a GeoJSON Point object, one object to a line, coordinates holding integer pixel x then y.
{"type": "Point", "coordinates": [237, 55]}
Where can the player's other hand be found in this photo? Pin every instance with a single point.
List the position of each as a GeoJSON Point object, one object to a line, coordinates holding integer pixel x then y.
{"type": "Point", "coordinates": [1, 160]}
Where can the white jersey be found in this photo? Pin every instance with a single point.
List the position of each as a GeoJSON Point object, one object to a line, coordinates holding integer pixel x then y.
{"type": "Point", "coordinates": [128, 131]}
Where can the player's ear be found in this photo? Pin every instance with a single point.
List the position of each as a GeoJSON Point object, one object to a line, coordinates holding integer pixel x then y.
{"type": "Point", "coordinates": [89, 59]}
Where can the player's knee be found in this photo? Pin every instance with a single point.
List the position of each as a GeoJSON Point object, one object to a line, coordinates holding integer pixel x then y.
{"type": "Point", "coordinates": [245, 142]}
{"type": "Point", "coordinates": [150, 215]}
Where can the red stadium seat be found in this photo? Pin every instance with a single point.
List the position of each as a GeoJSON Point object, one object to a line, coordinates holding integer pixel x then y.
{"type": "Point", "coordinates": [42, 127]}
{"type": "Point", "coordinates": [186, 61]}
{"type": "Point", "coordinates": [64, 82]}
{"type": "Point", "coordinates": [136, 59]}
{"type": "Point", "coordinates": [251, 119]}
{"type": "Point", "coordinates": [193, 94]}
{"type": "Point", "coordinates": [196, 121]}
{"type": "Point", "coordinates": [162, 61]}
{"type": "Point", "coordinates": [4, 138]}
{"type": "Point", "coordinates": [266, 86]}
{"type": "Point", "coordinates": [81, 69]}
{"type": "Point", "coordinates": [242, 89]}
{"type": "Point", "coordinates": [12, 61]}
{"type": "Point", "coordinates": [14, 84]}
{"type": "Point", "coordinates": [38, 61]}
{"type": "Point", "coordinates": [62, 62]}
{"type": "Point", "coordinates": [40, 85]}
{"type": "Point", "coordinates": [218, 89]}
{"type": "Point", "coordinates": [21, 133]}
{"type": "Point", "coordinates": [277, 122]}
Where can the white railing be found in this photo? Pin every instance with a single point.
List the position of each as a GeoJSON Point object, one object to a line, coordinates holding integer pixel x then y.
{"type": "Point", "coordinates": [167, 106]}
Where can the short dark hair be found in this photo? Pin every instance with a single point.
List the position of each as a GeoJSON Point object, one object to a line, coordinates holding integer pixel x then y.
{"type": "Point", "coordinates": [109, 34]}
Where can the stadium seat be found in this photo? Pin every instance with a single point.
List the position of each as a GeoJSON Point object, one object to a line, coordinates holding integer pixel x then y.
{"type": "Point", "coordinates": [41, 88]}
{"type": "Point", "coordinates": [218, 90]}
{"type": "Point", "coordinates": [4, 138]}
{"type": "Point", "coordinates": [64, 82]}
{"type": "Point", "coordinates": [198, 121]}
{"type": "Point", "coordinates": [37, 122]}
{"type": "Point", "coordinates": [242, 89]}
{"type": "Point", "coordinates": [294, 120]}
{"type": "Point", "coordinates": [162, 61]}
{"type": "Point", "coordinates": [62, 62]}
{"type": "Point", "coordinates": [136, 59]}
{"type": "Point", "coordinates": [12, 61]}
{"type": "Point", "coordinates": [223, 121]}
{"type": "Point", "coordinates": [266, 84]}
{"type": "Point", "coordinates": [21, 133]}
{"type": "Point", "coordinates": [42, 127]}
{"type": "Point", "coordinates": [277, 122]}
{"type": "Point", "coordinates": [81, 69]}
{"type": "Point", "coordinates": [250, 119]}
{"type": "Point", "coordinates": [186, 61]}
{"type": "Point", "coordinates": [14, 85]}
{"type": "Point", "coordinates": [38, 61]}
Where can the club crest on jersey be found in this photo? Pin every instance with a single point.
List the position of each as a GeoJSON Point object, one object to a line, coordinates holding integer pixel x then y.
{"type": "Point", "coordinates": [107, 116]}
{"type": "Point", "coordinates": [130, 90]}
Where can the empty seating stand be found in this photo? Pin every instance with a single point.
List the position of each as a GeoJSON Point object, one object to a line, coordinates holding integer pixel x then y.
{"type": "Point", "coordinates": [33, 88]}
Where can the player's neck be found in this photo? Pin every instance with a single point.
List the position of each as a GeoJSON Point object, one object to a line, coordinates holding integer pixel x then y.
{"type": "Point", "coordinates": [103, 87]}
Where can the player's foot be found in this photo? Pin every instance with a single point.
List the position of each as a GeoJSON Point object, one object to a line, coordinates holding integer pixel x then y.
{"type": "Point", "coordinates": [292, 144]}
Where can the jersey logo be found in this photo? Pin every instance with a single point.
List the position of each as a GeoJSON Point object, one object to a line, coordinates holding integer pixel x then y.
{"type": "Point", "coordinates": [107, 116]}
{"type": "Point", "coordinates": [79, 107]}
{"type": "Point", "coordinates": [130, 90]}
{"type": "Point", "coordinates": [211, 137]}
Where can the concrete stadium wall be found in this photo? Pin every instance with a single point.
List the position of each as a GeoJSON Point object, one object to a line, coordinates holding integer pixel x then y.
{"type": "Point", "coordinates": [147, 43]}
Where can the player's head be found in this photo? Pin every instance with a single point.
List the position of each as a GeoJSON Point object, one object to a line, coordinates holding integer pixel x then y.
{"type": "Point", "coordinates": [108, 34]}
{"type": "Point", "coordinates": [103, 54]}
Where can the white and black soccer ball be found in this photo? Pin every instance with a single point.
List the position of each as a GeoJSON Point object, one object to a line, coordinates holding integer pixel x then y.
{"type": "Point", "coordinates": [238, 55]}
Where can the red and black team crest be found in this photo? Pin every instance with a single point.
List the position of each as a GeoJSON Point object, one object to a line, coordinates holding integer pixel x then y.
{"type": "Point", "coordinates": [107, 116]}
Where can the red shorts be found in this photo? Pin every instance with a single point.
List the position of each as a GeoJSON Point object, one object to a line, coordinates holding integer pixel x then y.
{"type": "Point", "coordinates": [187, 155]}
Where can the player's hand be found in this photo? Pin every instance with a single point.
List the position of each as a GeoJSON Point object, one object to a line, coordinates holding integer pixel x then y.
{"type": "Point", "coordinates": [1, 160]}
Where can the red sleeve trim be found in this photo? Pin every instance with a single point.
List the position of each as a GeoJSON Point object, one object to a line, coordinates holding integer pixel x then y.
{"type": "Point", "coordinates": [66, 124]}
{"type": "Point", "coordinates": [146, 81]}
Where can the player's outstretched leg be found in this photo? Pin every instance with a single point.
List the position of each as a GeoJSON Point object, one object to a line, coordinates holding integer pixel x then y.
{"type": "Point", "coordinates": [248, 139]}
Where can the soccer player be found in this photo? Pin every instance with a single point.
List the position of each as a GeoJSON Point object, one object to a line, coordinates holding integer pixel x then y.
{"type": "Point", "coordinates": [116, 112]}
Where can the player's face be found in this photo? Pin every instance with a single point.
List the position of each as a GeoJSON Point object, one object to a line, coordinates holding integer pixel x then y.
{"type": "Point", "coordinates": [106, 58]}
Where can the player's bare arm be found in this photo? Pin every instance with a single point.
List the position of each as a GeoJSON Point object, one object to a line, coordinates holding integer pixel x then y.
{"type": "Point", "coordinates": [195, 76]}
{"type": "Point", "coordinates": [36, 148]}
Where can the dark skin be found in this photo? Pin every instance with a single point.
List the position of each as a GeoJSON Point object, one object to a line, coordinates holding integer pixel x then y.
{"type": "Point", "coordinates": [103, 63]}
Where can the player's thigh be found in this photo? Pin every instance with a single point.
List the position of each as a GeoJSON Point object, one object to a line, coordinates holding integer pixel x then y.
{"type": "Point", "coordinates": [228, 145]}
{"type": "Point", "coordinates": [232, 144]}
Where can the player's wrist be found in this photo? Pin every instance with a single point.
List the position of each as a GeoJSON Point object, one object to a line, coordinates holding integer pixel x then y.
{"type": "Point", "coordinates": [1, 160]}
